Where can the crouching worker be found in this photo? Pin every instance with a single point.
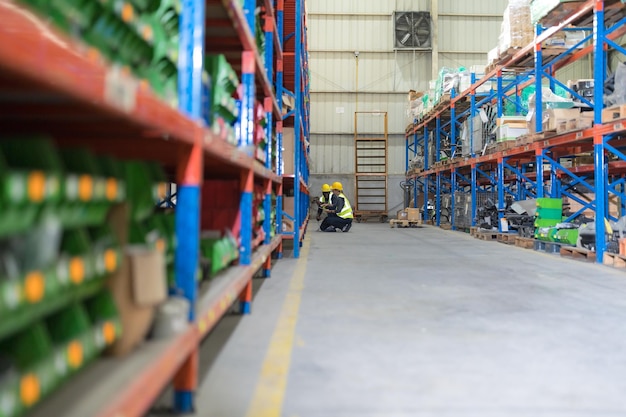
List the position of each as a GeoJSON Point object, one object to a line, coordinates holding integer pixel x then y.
{"type": "Point", "coordinates": [339, 213]}
{"type": "Point", "coordinates": [324, 201]}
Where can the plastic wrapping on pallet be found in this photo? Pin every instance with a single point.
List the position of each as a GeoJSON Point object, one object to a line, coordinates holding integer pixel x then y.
{"type": "Point", "coordinates": [541, 8]}
{"type": "Point", "coordinates": [517, 29]}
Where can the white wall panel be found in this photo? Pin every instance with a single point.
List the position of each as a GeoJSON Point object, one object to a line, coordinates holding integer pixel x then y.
{"type": "Point", "coordinates": [334, 113]}
{"type": "Point", "coordinates": [334, 154]}
{"type": "Point", "coordinates": [472, 7]}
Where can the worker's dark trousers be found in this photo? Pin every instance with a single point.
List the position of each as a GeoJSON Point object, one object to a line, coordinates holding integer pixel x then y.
{"type": "Point", "coordinates": [335, 221]}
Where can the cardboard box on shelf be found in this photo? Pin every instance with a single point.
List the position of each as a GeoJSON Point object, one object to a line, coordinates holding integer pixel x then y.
{"type": "Point", "coordinates": [288, 205]}
{"type": "Point", "coordinates": [584, 121]}
{"type": "Point", "coordinates": [510, 132]}
{"type": "Point", "coordinates": [552, 117]}
{"type": "Point", "coordinates": [613, 113]}
{"type": "Point", "coordinates": [137, 287]}
{"type": "Point", "coordinates": [288, 151]}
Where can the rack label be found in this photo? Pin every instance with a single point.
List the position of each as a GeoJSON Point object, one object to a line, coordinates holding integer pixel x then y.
{"type": "Point", "coordinates": [120, 89]}
{"type": "Point", "coordinates": [618, 126]}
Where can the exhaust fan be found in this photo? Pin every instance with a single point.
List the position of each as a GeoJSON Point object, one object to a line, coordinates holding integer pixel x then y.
{"type": "Point", "coordinates": [412, 30]}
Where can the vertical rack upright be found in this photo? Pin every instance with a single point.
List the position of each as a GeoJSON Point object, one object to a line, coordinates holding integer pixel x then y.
{"type": "Point", "coordinates": [296, 85]}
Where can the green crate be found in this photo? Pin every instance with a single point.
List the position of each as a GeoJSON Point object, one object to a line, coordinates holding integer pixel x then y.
{"type": "Point", "coordinates": [28, 181]}
{"type": "Point", "coordinates": [549, 213]}
{"type": "Point", "coordinates": [113, 171]}
{"type": "Point", "coordinates": [139, 187]}
{"type": "Point", "coordinates": [105, 320]}
{"type": "Point", "coordinates": [549, 203]}
{"type": "Point", "coordinates": [70, 333]}
{"type": "Point", "coordinates": [164, 223]}
{"type": "Point", "coordinates": [34, 375]}
{"type": "Point", "coordinates": [77, 250]}
{"type": "Point", "coordinates": [105, 249]}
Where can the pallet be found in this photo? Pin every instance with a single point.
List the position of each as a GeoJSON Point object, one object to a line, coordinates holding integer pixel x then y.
{"type": "Point", "coordinates": [473, 231]}
{"type": "Point", "coordinates": [490, 236]}
{"type": "Point", "coordinates": [615, 260]}
{"type": "Point", "coordinates": [404, 223]}
{"type": "Point", "coordinates": [445, 226]}
{"type": "Point", "coordinates": [524, 242]}
{"type": "Point", "coordinates": [613, 113]}
{"type": "Point", "coordinates": [507, 238]}
{"type": "Point", "coordinates": [578, 253]}
{"type": "Point", "coordinates": [549, 247]}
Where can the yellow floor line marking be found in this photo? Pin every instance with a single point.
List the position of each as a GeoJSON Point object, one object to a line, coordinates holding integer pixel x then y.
{"type": "Point", "coordinates": [269, 394]}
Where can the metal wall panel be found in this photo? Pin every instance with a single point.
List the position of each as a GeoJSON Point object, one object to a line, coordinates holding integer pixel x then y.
{"type": "Point", "coordinates": [366, 6]}
{"type": "Point", "coordinates": [334, 113]}
{"type": "Point", "coordinates": [472, 7]}
{"type": "Point", "coordinates": [471, 34]}
{"type": "Point", "coordinates": [334, 154]}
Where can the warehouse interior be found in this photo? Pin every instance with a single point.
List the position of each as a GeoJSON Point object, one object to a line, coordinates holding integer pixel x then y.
{"type": "Point", "coordinates": [266, 208]}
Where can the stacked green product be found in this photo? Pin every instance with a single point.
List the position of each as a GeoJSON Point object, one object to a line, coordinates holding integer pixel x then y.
{"type": "Point", "coordinates": [261, 140]}
{"type": "Point", "coordinates": [139, 34]}
{"type": "Point", "coordinates": [566, 235]}
{"type": "Point", "coordinates": [50, 261]}
{"type": "Point", "coordinates": [218, 252]}
{"type": "Point", "coordinates": [549, 213]}
{"type": "Point", "coordinates": [38, 358]}
{"type": "Point", "coordinates": [225, 111]}
{"type": "Point", "coordinates": [260, 36]}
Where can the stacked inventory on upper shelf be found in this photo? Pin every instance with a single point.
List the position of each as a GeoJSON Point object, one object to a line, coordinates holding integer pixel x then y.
{"type": "Point", "coordinates": [519, 132]}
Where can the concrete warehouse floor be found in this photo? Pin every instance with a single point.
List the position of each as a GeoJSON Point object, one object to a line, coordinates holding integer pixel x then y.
{"type": "Point", "coordinates": [422, 322]}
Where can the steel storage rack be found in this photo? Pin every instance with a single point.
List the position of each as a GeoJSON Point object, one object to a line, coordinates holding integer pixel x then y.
{"type": "Point", "coordinates": [56, 86]}
{"type": "Point", "coordinates": [293, 75]}
{"type": "Point", "coordinates": [531, 168]}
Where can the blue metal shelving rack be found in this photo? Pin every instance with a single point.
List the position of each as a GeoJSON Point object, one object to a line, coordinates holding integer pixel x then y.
{"type": "Point", "coordinates": [533, 169]}
{"type": "Point", "coordinates": [299, 116]}
{"type": "Point", "coordinates": [190, 151]}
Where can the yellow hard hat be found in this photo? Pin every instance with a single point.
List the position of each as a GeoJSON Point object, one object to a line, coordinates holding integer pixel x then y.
{"type": "Point", "coordinates": [325, 188]}
{"type": "Point", "coordinates": [337, 186]}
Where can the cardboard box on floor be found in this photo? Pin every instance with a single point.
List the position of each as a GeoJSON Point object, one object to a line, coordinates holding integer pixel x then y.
{"type": "Point", "coordinates": [138, 286]}
{"type": "Point", "coordinates": [413, 214]}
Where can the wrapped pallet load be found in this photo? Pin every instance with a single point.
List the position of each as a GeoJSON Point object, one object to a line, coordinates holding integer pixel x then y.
{"type": "Point", "coordinates": [517, 29]}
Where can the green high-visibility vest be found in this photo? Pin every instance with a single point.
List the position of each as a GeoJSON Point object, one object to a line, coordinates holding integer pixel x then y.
{"type": "Point", "coordinates": [346, 211]}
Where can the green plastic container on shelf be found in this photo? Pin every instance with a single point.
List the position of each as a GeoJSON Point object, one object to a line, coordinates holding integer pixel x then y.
{"type": "Point", "coordinates": [140, 190]}
{"type": "Point", "coordinates": [220, 252]}
{"type": "Point", "coordinates": [549, 203]}
{"type": "Point", "coordinates": [70, 14]}
{"type": "Point", "coordinates": [549, 213]}
{"type": "Point", "coordinates": [164, 223]}
{"type": "Point", "coordinates": [106, 251]}
{"type": "Point", "coordinates": [28, 181]}
{"type": "Point", "coordinates": [77, 253]}
{"type": "Point", "coordinates": [85, 190]}
{"type": "Point", "coordinates": [113, 171]}
{"type": "Point", "coordinates": [70, 333]}
{"type": "Point", "coordinates": [34, 374]}
{"type": "Point", "coordinates": [566, 236]}
{"type": "Point", "coordinates": [104, 318]}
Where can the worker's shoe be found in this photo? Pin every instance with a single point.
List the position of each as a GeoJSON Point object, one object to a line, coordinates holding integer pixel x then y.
{"type": "Point", "coordinates": [330, 229]}
{"type": "Point", "coordinates": [346, 227]}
